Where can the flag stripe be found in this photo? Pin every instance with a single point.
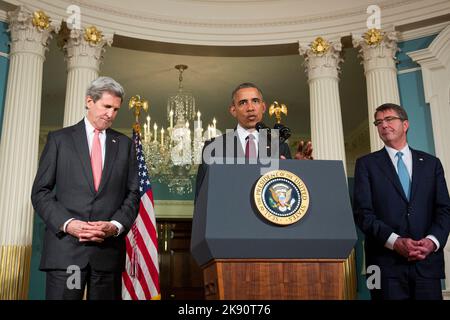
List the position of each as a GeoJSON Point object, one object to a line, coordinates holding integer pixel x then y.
{"type": "Point", "coordinates": [141, 276]}
{"type": "Point", "coordinates": [139, 279]}
{"type": "Point", "coordinates": [153, 253]}
{"type": "Point", "coordinates": [149, 226]}
{"type": "Point", "coordinates": [147, 259]}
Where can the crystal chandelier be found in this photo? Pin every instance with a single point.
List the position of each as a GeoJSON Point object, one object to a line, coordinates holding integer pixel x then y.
{"type": "Point", "coordinates": [172, 158]}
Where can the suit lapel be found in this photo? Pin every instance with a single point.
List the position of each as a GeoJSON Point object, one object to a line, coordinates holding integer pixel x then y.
{"type": "Point", "coordinates": [111, 147]}
{"type": "Point", "coordinates": [235, 148]}
{"type": "Point", "coordinates": [81, 145]}
{"type": "Point", "coordinates": [417, 163]}
{"type": "Point", "coordinates": [385, 164]}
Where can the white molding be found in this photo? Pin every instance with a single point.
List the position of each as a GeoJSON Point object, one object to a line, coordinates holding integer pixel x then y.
{"type": "Point", "coordinates": [409, 70]}
{"type": "Point", "coordinates": [436, 55]}
{"type": "Point", "coordinates": [225, 24]}
{"type": "Point", "coordinates": [360, 131]}
{"type": "Point", "coordinates": [435, 63]}
{"type": "Point", "coordinates": [3, 16]}
{"type": "Point", "coordinates": [174, 208]}
{"type": "Point", "coordinates": [4, 55]}
{"type": "Point", "coordinates": [446, 294]}
{"type": "Point", "coordinates": [422, 32]}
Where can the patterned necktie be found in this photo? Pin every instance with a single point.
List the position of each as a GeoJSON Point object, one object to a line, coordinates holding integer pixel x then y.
{"type": "Point", "coordinates": [250, 147]}
{"type": "Point", "coordinates": [96, 159]}
{"type": "Point", "coordinates": [403, 174]}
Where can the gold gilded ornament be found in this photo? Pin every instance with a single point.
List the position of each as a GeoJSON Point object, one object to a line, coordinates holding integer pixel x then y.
{"type": "Point", "coordinates": [373, 37]}
{"type": "Point", "coordinates": [278, 109]}
{"type": "Point", "coordinates": [41, 20]}
{"type": "Point", "coordinates": [92, 35]}
{"type": "Point", "coordinates": [320, 46]}
{"type": "Point", "coordinates": [137, 103]}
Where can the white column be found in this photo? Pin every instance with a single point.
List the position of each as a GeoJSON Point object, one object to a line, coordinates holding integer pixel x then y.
{"type": "Point", "coordinates": [326, 120]}
{"type": "Point", "coordinates": [83, 62]}
{"type": "Point", "coordinates": [19, 150]}
{"type": "Point", "coordinates": [381, 77]}
{"type": "Point", "coordinates": [435, 63]}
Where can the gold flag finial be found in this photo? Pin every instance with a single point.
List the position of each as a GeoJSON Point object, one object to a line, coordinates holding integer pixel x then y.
{"type": "Point", "coordinates": [278, 109]}
{"type": "Point", "coordinates": [137, 103]}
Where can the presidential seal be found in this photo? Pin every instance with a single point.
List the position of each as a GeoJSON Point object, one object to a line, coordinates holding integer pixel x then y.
{"type": "Point", "coordinates": [281, 197]}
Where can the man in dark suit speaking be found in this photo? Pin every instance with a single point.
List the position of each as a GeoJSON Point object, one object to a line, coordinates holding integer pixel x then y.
{"type": "Point", "coordinates": [86, 192]}
{"type": "Point", "coordinates": [248, 107]}
{"type": "Point", "coordinates": [401, 203]}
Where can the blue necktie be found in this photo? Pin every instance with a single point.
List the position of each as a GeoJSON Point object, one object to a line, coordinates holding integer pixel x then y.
{"type": "Point", "coordinates": [403, 174]}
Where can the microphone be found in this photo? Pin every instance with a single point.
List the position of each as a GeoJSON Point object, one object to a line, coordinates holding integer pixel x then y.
{"type": "Point", "coordinates": [285, 132]}
{"type": "Point", "coordinates": [261, 125]}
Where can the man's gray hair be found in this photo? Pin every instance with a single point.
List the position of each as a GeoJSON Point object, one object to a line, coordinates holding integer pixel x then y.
{"type": "Point", "coordinates": [243, 86]}
{"type": "Point", "coordinates": [104, 84]}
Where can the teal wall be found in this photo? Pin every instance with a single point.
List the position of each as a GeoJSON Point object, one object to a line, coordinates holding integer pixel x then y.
{"type": "Point", "coordinates": [4, 65]}
{"type": "Point", "coordinates": [161, 192]}
{"type": "Point", "coordinates": [420, 134]}
{"type": "Point", "coordinates": [37, 278]}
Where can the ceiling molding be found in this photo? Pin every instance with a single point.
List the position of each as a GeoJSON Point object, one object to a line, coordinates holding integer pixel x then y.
{"type": "Point", "coordinates": [422, 32]}
{"type": "Point", "coordinates": [3, 16]}
{"type": "Point", "coordinates": [196, 22]}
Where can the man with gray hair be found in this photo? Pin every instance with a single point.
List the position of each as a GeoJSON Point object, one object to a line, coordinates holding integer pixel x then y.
{"type": "Point", "coordinates": [86, 192]}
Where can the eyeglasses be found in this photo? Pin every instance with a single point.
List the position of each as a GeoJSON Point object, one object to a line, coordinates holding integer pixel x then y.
{"type": "Point", "coordinates": [387, 119]}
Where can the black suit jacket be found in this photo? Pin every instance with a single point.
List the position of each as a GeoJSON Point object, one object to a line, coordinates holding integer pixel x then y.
{"type": "Point", "coordinates": [381, 207]}
{"type": "Point", "coordinates": [64, 189]}
{"type": "Point", "coordinates": [235, 150]}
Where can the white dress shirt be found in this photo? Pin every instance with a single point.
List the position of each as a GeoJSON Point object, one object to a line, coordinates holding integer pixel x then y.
{"type": "Point", "coordinates": [90, 131]}
{"type": "Point", "coordinates": [243, 134]}
{"type": "Point", "coordinates": [407, 159]}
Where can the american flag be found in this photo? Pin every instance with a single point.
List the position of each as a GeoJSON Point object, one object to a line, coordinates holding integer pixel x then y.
{"type": "Point", "coordinates": [140, 280]}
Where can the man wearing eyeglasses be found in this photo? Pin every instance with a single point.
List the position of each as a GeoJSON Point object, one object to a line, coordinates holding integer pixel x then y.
{"type": "Point", "coordinates": [402, 205]}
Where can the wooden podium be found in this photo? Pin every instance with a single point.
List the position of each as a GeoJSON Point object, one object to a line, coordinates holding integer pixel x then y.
{"type": "Point", "coordinates": [245, 257]}
{"type": "Point", "coordinates": [280, 279]}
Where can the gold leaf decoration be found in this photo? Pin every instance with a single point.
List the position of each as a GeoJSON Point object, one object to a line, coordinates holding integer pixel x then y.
{"type": "Point", "coordinates": [41, 20]}
{"type": "Point", "coordinates": [320, 46]}
{"type": "Point", "coordinates": [92, 35]}
{"type": "Point", "coordinates": [373, 37]}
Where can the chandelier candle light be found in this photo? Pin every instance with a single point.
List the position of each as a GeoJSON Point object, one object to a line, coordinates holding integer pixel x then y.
{"type": "Point", "coordinates": [173, 159]}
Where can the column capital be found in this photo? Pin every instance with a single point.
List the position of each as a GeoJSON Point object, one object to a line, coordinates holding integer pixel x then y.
{"type": "Point", "coordinates": [322, 58]}
{"type": "Point", "coordinates": [30, 31]}
{"type": "Point", "coordinates": [84, 48]}
{"type": "Point", "coordinates": [377, 48]}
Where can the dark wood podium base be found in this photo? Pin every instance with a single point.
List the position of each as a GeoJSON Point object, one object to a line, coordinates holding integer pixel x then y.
{"type": "Point", "coordinates": [280, 279]}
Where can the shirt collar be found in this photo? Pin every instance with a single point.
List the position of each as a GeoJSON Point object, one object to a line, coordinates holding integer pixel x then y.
{"type": "Point", "coordinates": [393, 152]}
{"type": "Point", "coordinates": [89, 127]}
{"type": "Point", "coordinates": [244, 133]}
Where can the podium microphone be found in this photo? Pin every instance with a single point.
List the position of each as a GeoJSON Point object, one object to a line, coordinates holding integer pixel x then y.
{"type": "Point", "coordinates": [285, 132]}
{"type": "Point", "coordinates": [261, 125]}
